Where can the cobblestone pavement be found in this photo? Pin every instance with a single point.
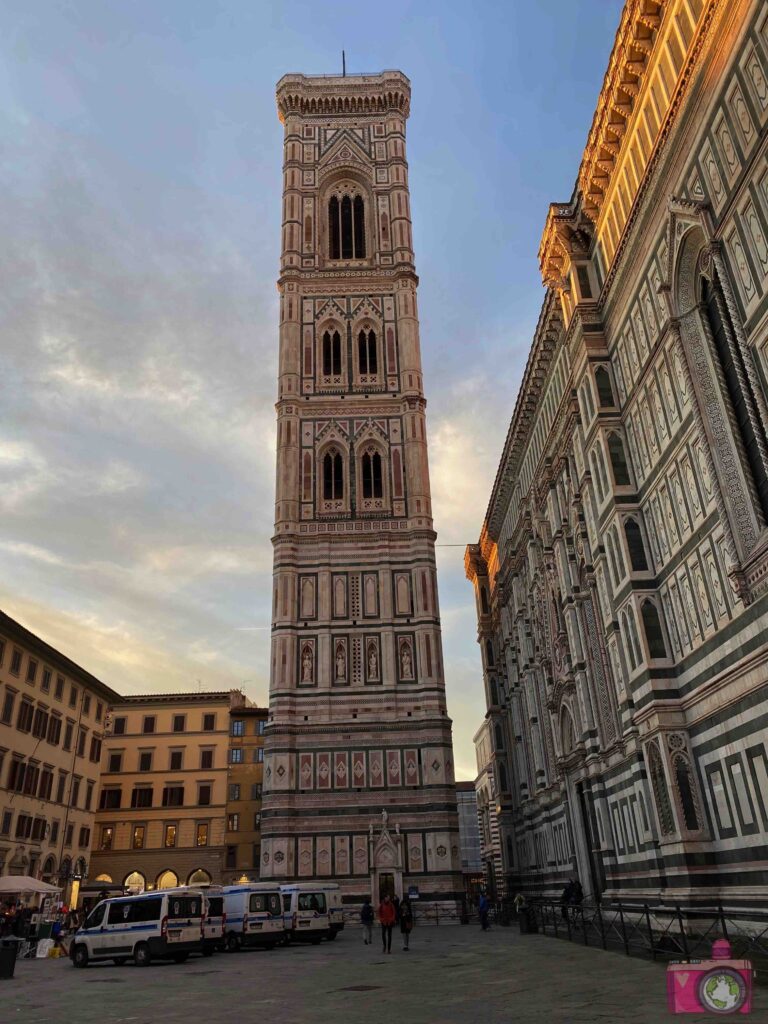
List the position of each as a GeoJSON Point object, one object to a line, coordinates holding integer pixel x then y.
{"type": "Point", "coordinates": [451, 974]}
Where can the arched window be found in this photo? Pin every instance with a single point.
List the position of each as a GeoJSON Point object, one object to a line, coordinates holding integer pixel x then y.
{"type": "Point", "coordinates": [331, 353]}
{"type": "Point", "coordinates": [333, 476]}
{"type": "Point", "coordinates": [489, 653]}
{"type": "Point", "coordinates": [104, 878]}
{"type": "Point", "coordinates": [654, 634]}
{"type": "Point", "coordinates": [366, 353]}
{"type": "Point", "coordinates": [499, 736]}
{"type": "Point", "coordinates": [618, 460]}
{"type": "Point", "coordinates": [48, 867]}
{"type": "Point", "coordinates": [604, 389]}
{"type": "Point", "coordinates": [743, 400]}
{"type": "Point", "coordinates": [634, 538]}
{"type": "Point", "coordinates": [346, 228]}
{"type": "Point", "coordinates": [199, 877]}
{"type": "Point", "coordinates": [494, 691]}
{"type": "Point", "coordinates": [372, 482]}
{"type": "Point", "coordinates": [135, 881]}
{"type": "Point", "coordinates": [484, 600]}
{"type": "Point", "coordinates": [167, 880]}
{"type": "Point", "coordinates": [660, 789]}
{"type": "Point", "coordinates": [502, 773]}
{"type": "Point", "coordinates": [684, 784]}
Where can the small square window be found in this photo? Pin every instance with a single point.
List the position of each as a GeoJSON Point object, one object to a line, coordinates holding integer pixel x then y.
{"type": "Point", "coordinates": [16, 661]}
{"type": "Point", "coordinates": [170, 837]}
{"type": "Point", "coordinates": [233, 822]}
{"type": "Point", "coordinates": [262, 726]}
{"type": "Point", "coordinates": [256, 791]}
{"type": "Point", "coordinates": [118, 727]}
{"type": "Point", "coordinates": [236, 755]}
{"type": "Point", "coordinates": [204, 795]}
{"type": "Point", "coordinates": [137, 840]}
{"type": "Point", "coordinates": [209, 723]}
{"type": "Point", "coordinates": [59, 691]}
{"type": "Point", "coordinates": [149, 723]}
{"type": "Point", "coordinates": [257, 821]}
{"type": "Point", "coordinates": [99, 710]}
{"type": "Point", "coordinates": [73, 696]}
{"type": "Point", "coordinates": [260, 754]}
{"type": "Point", "coordinates": [45, 683]}
{"type": "Point", "coordinates": [202, 834]}
{"type": "Point", "coordinates": [87, 704]}
{"type": "Point", "coordinates": [234, 791]}
{"type": "Point", "coordinates": [31, 670]}
{"type": "Point", "coordinates": [206, 759]}
{"type": "Point", "coordinates": [179, 722]}
{"type": "Point", "coordinates": [177, 759]}
{"type": "Point", "coordinates": [115, 762]}
{"type": "Point", "coordinates": [145, 761]}
{"type": "Point", "coordinates": [238, 727]}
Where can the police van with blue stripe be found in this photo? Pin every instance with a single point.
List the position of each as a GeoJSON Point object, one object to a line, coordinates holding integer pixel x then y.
{"type": "Point", "coordinates": [162, 925]}
{"type": "Point", "coordinates": [254, 915]}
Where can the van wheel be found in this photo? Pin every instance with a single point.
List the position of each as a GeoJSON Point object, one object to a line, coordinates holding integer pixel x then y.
{"type": "Point", "coordinates": [80, 956]}
{"type": "Point", "coordinates": [120, 960]}
{"type": "Point", "coordinates": [141, 955]}
{"type": "Point", "coordinates": [180, 958]}
{"type": "Point", "coordinates": [233, 943]}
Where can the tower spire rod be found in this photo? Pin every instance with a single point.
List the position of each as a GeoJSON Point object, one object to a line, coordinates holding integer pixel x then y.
{"type": "Point", "coordinates": [343, 64]}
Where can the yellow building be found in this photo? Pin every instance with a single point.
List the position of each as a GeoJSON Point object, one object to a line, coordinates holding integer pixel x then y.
{"type": "Point", "coordinates": [162, 805]}
{"type": "Point", "coordinates": [244, 786]}
{"type": "Point", "coordinates": [52, 720]}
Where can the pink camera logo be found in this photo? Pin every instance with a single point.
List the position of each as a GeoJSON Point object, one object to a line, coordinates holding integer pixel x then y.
{"type": "Point", "coordinates": [719, 985]}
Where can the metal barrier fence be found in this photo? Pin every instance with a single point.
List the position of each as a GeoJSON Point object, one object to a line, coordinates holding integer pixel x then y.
{"type": "Point", "coordinates": [657, 931]}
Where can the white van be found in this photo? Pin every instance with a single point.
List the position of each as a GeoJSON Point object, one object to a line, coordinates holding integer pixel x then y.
{"type": "Point", "coordinates": [214, 918]}
{"type": "Point", "coordinates": [253, 915]}
{"type": "Point", "coordinates": [312, 910]}
{"type": "Point", "coordinates": [162, 925]}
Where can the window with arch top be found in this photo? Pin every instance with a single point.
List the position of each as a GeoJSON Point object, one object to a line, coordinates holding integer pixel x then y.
{"type": "Point", "coordinates": [331, 353]}
{"type": "Point", "coordinates": [372, 482]}
{"type": "Point", "coordinates": [604, 389]}
{"type": "Point", "coordinates": [346, 227]}
{"type": "Point", "coordinates": [333, 476]}
{"type": "Point", "coordinates": [367, 357]}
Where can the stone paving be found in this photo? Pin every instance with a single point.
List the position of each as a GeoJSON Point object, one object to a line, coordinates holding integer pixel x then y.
{"type": "Point", "coordinates": [452, 974]}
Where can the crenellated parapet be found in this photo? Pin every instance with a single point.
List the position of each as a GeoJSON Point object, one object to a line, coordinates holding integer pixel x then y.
{"type": "Point", "coordinates": [324, 95]}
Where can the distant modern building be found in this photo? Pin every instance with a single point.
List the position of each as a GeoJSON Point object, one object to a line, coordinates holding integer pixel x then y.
{"type": "Point", "coordinates": [621, 572]}
{"type": "Point", "coordinates": [162, 808]}
{"type": "Point", "coordinates": [52, 721]}
{"type": "Point", "coordinates": [469, 838]}
{"type": "Point", "coordinates": [245, 779]}
{"type": "Point", "coordinates": [488, 812]}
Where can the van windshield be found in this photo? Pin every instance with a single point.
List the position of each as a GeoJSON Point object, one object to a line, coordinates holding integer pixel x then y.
{"type": "Point", "coordinates": [95, 916]}
{"type": "Point", "coordinates": [312, 901]}
{"type": "Point", "coordinates": [265, 901]}
{"type": "Point", "coordinates": [185, 906]}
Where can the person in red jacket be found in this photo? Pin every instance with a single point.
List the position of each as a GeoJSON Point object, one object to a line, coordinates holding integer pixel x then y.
{"type": "Point", "coordinates": [386, 920]}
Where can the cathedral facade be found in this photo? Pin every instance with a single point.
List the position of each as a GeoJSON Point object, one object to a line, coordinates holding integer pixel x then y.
{"type": "Point", "coordinates": [358, 774]}
{"type": "Point", "coordinates": [621, 574]}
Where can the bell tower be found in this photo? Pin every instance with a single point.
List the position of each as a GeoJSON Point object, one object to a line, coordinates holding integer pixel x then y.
{"type": "Point", "coordinates": [359, 734]}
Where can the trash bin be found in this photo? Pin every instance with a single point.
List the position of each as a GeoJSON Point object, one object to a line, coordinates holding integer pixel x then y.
{"type": "Point", "coordinates": [7, 961]}
{"type": "Point", "coordinates": [526, 919]}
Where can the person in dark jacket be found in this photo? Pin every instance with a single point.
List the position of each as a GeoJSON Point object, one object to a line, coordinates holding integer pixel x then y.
{"type": "Point", "coordinates": [566, 898]}
{"type": "Point", "coordinates": [406, 921]}
{"type": "Point", "coordinates": [386, 920]}
{"type": "Point", "coordinates": [483, 907]}
{"type": "Point", "coordinates": [366, 919]}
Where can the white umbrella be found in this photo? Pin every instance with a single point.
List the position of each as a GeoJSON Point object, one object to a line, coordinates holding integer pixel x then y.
{"type": "Point", "coordinates": [23, 883]}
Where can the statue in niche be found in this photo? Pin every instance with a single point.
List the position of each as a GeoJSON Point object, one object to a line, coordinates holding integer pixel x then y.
{"type": "Point", "coordinates": [341, 663]}
{"type": "Point", "coordinates": [406, 663]}
{"type": "Point", "coordinates": [384, 818]}
{"type": "Point", "coordinates": [306, 666]}
{"type": "Point", "coordinates": [373, 663]}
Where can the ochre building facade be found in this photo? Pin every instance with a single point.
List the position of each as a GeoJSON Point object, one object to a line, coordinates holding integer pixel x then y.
{"type": "Point", "coordinates": [358, 765]}
{"type": "Point", "coordinates": [621, 573]}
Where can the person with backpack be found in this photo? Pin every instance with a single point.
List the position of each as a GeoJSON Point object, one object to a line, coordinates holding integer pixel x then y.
{"type": "Point", "coordinates": [366, 919]}
{"type": "Point", "coordinates": [406, 921]}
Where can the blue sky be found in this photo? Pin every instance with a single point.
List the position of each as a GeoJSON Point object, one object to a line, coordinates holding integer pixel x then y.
{"type": "Point", "coordinates": [140, 200]}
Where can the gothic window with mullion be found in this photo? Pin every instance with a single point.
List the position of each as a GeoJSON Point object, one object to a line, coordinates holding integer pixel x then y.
{"type": "Point", "coordinates": [346, 227]}
{"type": "Point", "coordinates": [367, 356]}
{"type": "Point", "coordinates": [331, 352]}
{"type": "Point", "coordinates": [332, 482]}
{"type": "Point", "coordinates": [372, 495]}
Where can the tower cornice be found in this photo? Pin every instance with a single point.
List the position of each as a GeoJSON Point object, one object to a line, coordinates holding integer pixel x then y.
{"type": "Point", "coordinates": [322, 95]}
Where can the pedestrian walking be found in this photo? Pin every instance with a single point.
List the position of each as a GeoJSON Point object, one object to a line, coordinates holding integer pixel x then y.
{"type": "Point", "coordinates": [568, 897]}
{"type": "Point", "coordinates": [386, 920]}
{"type": "Point", "coordinates": [366, 919]}
{"type": "Point", "coordinates": [406, 921]}
{"type": "Point", "coordinates": [483, 907]}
